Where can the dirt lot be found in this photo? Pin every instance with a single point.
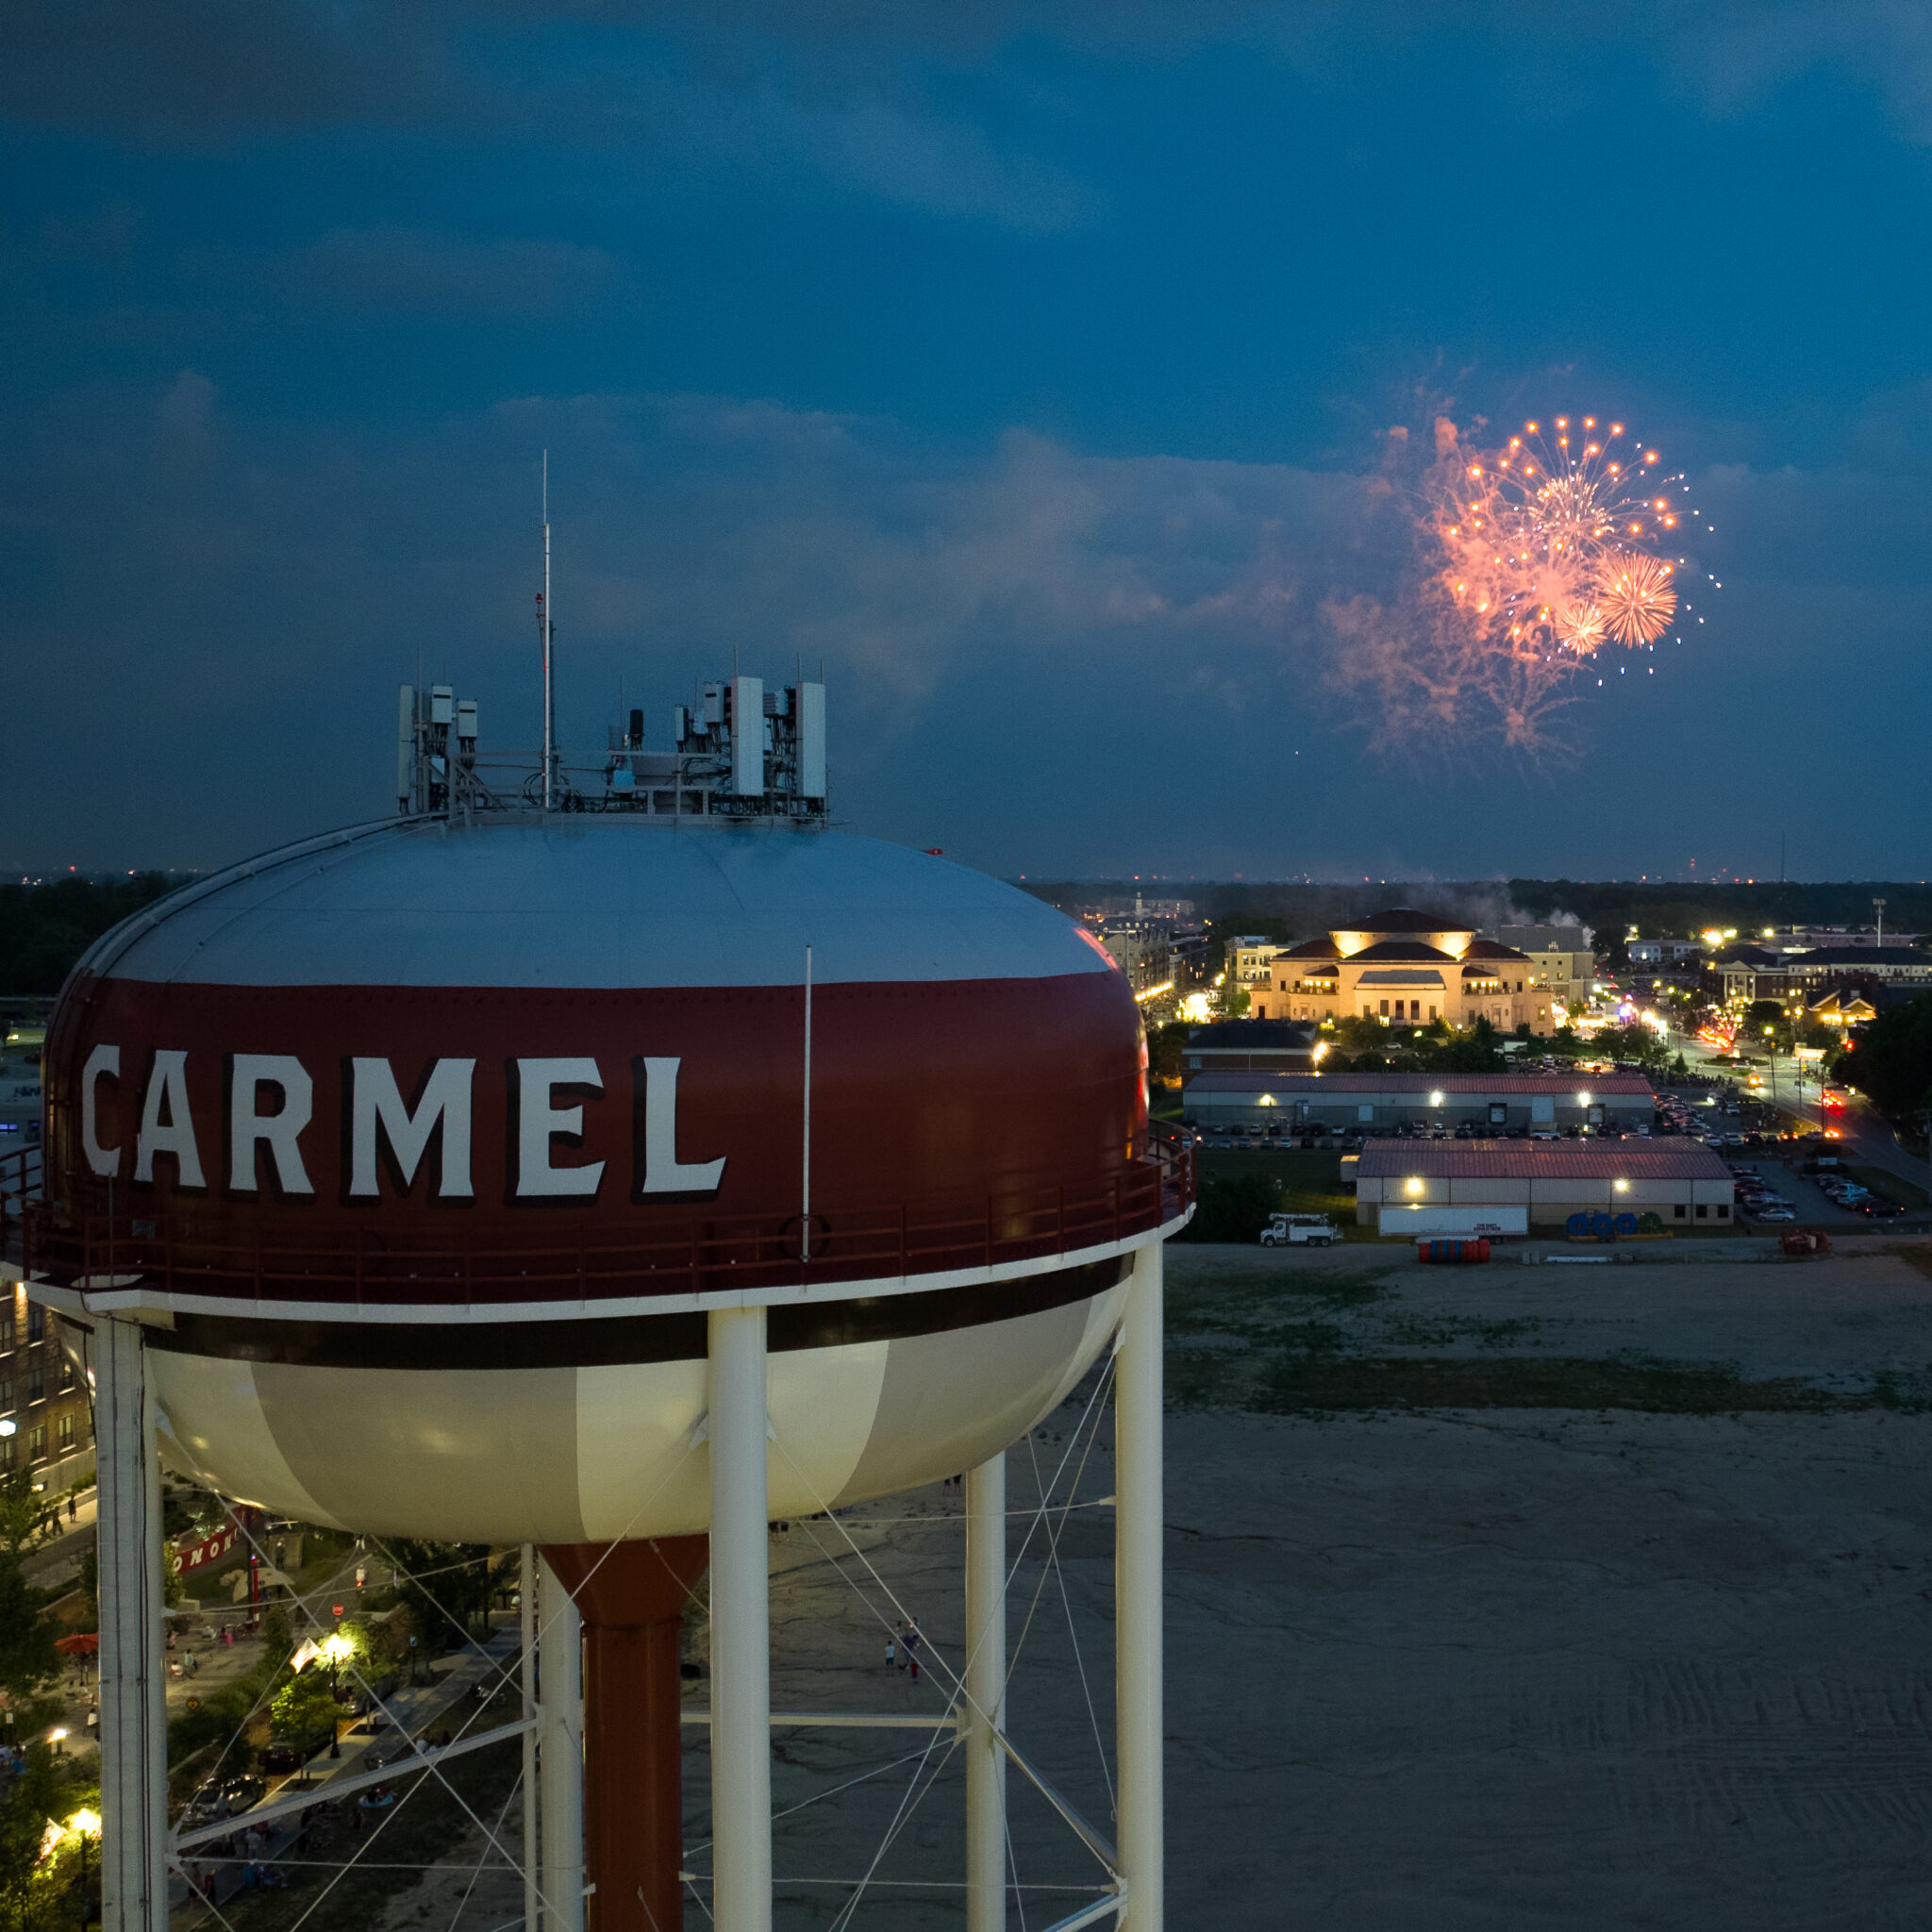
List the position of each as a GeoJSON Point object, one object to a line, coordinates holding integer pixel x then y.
{"type": "Point", "coordinates": [1483, 1666]}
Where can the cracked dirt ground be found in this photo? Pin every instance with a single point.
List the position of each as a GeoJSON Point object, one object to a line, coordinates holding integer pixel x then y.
{"type": "Point", "coordinates": [1483, 1667]}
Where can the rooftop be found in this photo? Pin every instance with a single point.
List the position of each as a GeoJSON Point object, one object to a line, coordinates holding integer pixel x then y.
{"type": "Point", "coordinates": [1404, 919]}
{"type": "Point", "coordinates": [1530, 1160]}
{"type": "Point", "coordinates": [1243, 1035]}
{"type": "Point", "coordinates": [1401, 949]}
{"type": "Point", "coordinates": [1598, 1086]}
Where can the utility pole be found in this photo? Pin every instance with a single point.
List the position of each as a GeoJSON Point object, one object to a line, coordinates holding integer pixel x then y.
{"type": "Point", "coordinates": [1878, 907]}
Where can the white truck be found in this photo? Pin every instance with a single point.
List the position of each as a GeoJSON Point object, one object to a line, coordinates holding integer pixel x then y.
{"type": "Point", "coordinates": [1299, 1231]}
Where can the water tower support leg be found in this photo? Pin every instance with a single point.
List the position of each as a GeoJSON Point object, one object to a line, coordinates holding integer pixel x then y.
{"type": "Point", "coordinates": [134, 1728]}
{"type": "Point", "coordinates": [740, 1625]}
{"type": "Point", "coordinates": [1138, 1515]}
{"type": "Point", "coordinates": [986, 1696]}
{"type": "Point", "coordinates": [526, 1639]}
{"type": "Point", "coordinates": [560, 1753]}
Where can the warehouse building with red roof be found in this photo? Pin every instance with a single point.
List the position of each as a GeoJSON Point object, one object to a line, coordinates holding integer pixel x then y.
{"type": "Point", "coordinates": [1380, 1102]}
{"type": "Point", "coordinates": [1662, 1185]}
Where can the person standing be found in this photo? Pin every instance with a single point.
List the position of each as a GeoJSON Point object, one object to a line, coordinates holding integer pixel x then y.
{"type": "Point", "coordinates": [891, 1649]}
{"type": "Point", "coordinates": [912, 1648]}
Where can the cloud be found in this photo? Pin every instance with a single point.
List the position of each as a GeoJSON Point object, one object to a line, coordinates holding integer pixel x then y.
{"type": "Point", "coordinates": [225, 577]}
{"type": "Point", "coordinates": [1038, 655]}
{"type": "Point", "coordinates": [211, 68]}
{"type": "Point", "coordinates": [655, 92]}
{"type": "Point", "coordinates": [413, 271]}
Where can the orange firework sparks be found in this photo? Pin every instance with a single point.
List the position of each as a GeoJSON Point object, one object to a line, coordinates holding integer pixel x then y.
{"type": "Point", "coordinates": [1533, 561]}
{"type": "Point", "coordinates": [1639, 599]}
{"type": "Point", "coordinates": [1534, 533]}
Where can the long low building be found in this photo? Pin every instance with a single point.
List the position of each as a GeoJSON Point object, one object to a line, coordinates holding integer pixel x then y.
{"type": "Point", "coordinates": [1610, 1102]}
{"type": "Point", "coordinates": [1679, 1182]}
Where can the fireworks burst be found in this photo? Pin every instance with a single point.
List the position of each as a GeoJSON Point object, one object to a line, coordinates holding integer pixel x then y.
{"type": "Point", "coordinates": [1546, 541]}
{"type": "Point", "coordinates": [1536, 558]}
{"type": "Point", "coordinates": [1639, 599]}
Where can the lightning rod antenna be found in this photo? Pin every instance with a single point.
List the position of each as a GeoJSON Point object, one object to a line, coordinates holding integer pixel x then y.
{"type": "Point", "coordinates": [547, 630]}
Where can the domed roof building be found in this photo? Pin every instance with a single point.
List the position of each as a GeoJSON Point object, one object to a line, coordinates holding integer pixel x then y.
{"type": "Point", "coordinates": [1408, 967]}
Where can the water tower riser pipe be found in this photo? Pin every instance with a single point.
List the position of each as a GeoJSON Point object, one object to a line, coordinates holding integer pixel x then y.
{"type": "Point", "coordinates": [631, 1598]}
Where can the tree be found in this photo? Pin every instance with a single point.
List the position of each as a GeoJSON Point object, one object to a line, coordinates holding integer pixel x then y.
{"type": "Point", "coordinates": [26, 1521]}
{"type": "Point", "coordinates": [1164, 1044]}
{"type": "Point", "coordinates": [1890, 1059]}
{"type": "Point", "coordinates": [304, 1712]}
{"type": "Point", "coordinates": [446, 1586]}
{"type": "Point", "coordinates": [1234, 1209]}
{"type": "Point", "coordinates": [1360, 1033]}
{"type": "Point", "coordinates": [27, 1657]}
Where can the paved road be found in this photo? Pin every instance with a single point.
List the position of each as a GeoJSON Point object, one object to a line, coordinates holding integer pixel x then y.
{"type": "Point", "coordinates": [446, 1700]}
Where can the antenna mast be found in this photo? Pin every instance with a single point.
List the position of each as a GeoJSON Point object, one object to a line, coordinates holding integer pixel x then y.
{"type": "Point", "coordinates": [545, 631]}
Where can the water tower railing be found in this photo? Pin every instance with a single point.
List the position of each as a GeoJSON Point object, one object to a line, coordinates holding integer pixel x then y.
{"type": "Point", "coordinates": [19, 1187]}
{"type": "Point", "coordinates": [688, 1253]}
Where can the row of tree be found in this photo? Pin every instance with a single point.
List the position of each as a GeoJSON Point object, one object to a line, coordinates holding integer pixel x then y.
{"type": "Point", "coordinates": [49, 1804]}
{"type": "Point", "coordinates": [44, 929]}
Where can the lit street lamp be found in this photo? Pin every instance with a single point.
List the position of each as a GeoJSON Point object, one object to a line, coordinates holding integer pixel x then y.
{"type": "Point", "coordinates": [335, 1649]}
{"type": "Point", "coordinates": [84, 1824]}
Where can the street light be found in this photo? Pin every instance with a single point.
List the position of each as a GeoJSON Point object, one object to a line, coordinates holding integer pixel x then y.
{"type": "Point", "coordinates": [83, 1824]}
{"type": "Point", "coordinates": [335, 1648]}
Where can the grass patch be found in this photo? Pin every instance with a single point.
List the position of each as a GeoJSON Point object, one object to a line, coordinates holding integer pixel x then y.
{"type": "Point", "coordinates": [1304, 1382]}
{"type": "Point", "coordinates": [1257, 1303]}
{"type": "Point", "coordinates": [1308, 1180]}
{"type": "Point", "coordinates": [1445, 1331]}
{"type": "Point", "coordinates": [1888, 1186]}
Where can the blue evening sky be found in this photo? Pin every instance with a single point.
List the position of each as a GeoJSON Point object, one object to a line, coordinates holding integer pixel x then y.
{"type": "Point", "coordinates": [1029, 364]}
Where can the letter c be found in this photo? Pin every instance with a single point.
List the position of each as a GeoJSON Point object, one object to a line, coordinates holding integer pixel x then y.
{"type": "Point", "coordinates": [103, 1063]}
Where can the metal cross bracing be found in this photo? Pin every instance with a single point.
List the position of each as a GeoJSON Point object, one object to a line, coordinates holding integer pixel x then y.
{"type": "Point", "coordinates": [969, 1723]}
{"type": "Point", "coordinates": [1058, 1496]}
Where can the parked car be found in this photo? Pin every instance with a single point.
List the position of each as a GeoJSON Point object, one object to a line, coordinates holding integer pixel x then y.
{"type": "Point", "coordinates": [239, 1793]}
{"type": "Point", "coordinates": [206, 1806]}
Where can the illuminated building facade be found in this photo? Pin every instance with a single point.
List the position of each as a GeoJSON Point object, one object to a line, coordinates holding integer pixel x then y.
{"type": "Point", "coordinates": [1407, 968]}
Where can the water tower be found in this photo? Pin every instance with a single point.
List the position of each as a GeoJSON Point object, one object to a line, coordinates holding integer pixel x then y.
{"type": "Point", "coordinates": [609, 1161]}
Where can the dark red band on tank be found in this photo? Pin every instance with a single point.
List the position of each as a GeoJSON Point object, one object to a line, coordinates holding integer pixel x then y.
{"type": "Point", "coordinates": [407, 1118]}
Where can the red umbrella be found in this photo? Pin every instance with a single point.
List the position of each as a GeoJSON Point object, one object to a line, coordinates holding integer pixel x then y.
{"type": "Point", "coordinates": [82, 1644]}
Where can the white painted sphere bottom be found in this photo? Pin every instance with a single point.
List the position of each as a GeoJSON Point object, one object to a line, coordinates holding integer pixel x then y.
{"type": "Point", "coordinates": [590, 1454]}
